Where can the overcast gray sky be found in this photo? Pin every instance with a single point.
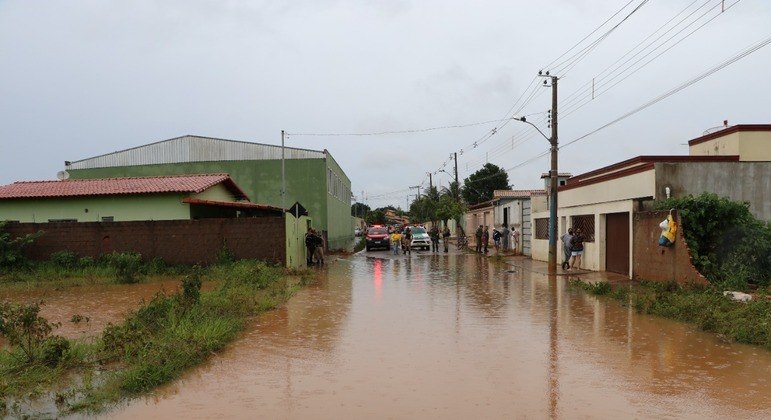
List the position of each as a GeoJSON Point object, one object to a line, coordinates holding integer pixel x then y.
{"type": "Point", "coordinates": [83, 78]}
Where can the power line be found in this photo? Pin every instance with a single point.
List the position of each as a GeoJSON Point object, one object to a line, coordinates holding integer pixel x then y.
{"type": "Point", "coordinates": [587, 36]}
{"type": "Point", "coordinates": [753, 48]}
{"type": "Point", "coordinates": [583, 53]}
{"type": "Point", "coordinates": [570, 109]}
{"type": "Point", "coordinates": [671, 92]}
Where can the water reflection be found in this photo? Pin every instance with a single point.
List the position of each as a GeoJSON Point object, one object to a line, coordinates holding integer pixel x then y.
{"type": "Point", "coordinates": [453, 336]}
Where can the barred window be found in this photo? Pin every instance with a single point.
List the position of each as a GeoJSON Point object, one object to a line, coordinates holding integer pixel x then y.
{"type": "Point", "coordinates": [542, 228]}
{"type": "Point", "coordinates": [586, 224]}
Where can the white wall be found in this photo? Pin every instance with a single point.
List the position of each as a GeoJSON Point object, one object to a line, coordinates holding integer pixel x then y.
{"type": "Point", "coordinates": [594, 252]}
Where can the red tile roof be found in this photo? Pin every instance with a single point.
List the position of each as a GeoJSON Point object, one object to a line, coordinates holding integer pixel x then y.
{"type": "Point", "coordinates": [231, 204]}
{"type": "Point", "coordinates": [119, 186]}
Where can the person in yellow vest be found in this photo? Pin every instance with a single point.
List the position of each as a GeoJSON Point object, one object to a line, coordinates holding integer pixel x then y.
{"type": "Point", "coordinates": [396, 241]}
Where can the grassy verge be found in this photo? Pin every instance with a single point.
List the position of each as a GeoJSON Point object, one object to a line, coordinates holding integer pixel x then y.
{"type": "Point", "coordinates": [154, 345]}
{"type": "Point", "coordinates": [703, 306]}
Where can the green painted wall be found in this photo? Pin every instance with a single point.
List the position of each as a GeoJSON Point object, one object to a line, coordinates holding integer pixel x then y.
{"type": "Point", "coordinates": [92, 209]}
{"type": "Point", "coordinates": [340, 233]}
{"type": "Point", "coordinates": [306, 182]}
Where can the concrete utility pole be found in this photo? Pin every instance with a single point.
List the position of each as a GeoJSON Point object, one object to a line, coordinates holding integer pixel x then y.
{"type": "Point", "coordinates": [553, 173]}
{"type": "Point", "coordinates": [456, 168]}
{"type": "Point", "coordinates": [553, 180]}
{"type": "Point", "coordinates": [283, 177]}
{"type": "Point", "coordinates": [430, 182]}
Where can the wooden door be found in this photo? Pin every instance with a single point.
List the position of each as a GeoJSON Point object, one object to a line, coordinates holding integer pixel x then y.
{"type": "Point", "coordinates": [617, 243]}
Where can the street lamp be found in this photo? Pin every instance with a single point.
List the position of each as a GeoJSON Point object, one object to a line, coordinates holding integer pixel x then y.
{"type": "Point", "coordinates": [552, 184]}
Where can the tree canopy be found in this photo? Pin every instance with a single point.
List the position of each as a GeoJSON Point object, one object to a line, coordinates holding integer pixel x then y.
{"type": "Point", "coordinates": [479, 186]}
{"type": "Point", "coordinates": [435, 205]}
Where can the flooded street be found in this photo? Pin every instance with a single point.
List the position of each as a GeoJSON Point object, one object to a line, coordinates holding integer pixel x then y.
{"type": "Point", "coordinates": [453, 336]}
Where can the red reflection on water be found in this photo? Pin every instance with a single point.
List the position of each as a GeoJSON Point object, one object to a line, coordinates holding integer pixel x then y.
{"type": "Point", "coordinates": [378, 272]}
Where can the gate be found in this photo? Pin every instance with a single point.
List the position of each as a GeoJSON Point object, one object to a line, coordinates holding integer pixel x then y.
{"type": "Point", "coordinates": [617, 243]}
{"type": "Point", "coordinates": [527, 228]}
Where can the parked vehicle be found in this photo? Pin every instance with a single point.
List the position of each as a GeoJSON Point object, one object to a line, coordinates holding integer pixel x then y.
{"type": "Point", "coordinates": [420, 238]}
{"type": "Point", "coordinates": [377, 237]}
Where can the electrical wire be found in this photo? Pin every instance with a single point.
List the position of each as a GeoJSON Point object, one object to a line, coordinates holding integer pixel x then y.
{"type": "Point", "coordinates": [570, 109]}
{"type": "Point", "coordinates": [673, 91]}
{"type": "Point", "coordinates": [567, 67]}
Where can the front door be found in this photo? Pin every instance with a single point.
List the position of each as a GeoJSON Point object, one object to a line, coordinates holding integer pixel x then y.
{"type": "Point", "coordinates": [617, 243]}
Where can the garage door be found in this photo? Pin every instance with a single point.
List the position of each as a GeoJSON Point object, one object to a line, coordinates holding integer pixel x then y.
{"type": "Point", "coordinates": [617, 243]}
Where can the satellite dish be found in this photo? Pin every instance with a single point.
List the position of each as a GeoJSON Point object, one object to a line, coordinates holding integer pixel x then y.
{"type": "Point", "coordinates": [62, 175]}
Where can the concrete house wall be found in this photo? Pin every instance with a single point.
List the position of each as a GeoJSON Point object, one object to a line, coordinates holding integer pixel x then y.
{"type": "Point", "coordinates": [120, 207]}
{"type": "Point", "coordinates": [739, 181]}
{"type": "Point", "coordinates": [749, 142]}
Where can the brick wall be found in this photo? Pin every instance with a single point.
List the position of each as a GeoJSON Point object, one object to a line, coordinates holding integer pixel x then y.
{"type": "Point", "coordinates": [657, 263]}
{"type": "Point", "coordinates": [174, 241]}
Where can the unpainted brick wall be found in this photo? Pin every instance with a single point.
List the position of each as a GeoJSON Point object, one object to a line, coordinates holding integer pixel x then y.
{"type": "Point", "coordinates": [657, 263]}
{"type": "Point", "coordinates": [174, 241]}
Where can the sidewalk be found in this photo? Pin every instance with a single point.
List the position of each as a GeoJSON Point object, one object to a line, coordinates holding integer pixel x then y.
{"type": "Point", "coordinates": [542, 267]}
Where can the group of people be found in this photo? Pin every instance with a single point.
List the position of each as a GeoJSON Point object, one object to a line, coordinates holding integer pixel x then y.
{"type": "Point", "coordinates": [573, 248]}
{"type": "Point", "coordinates": [314, 244]}
{"type": "Point", "coordinates": [402, 240]}
{"type": "Point", "coordinates": [435, 234]}
{"type": "Point", "coordinates": [500, 238]}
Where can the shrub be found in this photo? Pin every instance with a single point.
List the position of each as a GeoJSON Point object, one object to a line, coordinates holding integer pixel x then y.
{"type": "Point", "coordinates": [64, 259]}
{"type": "Point", "coordinates": [53, 350]}
{"type": "Point", "coordinates": [191, 288]}
{"type": "Point", "coordinates": [225, 255]}
{"type": "Point", "coordinates": [728, 245]}
{"type": "Point", "coordinates": [84, 262]}
{"type": "Point", "coordinates": [126, 266]}
{"type": "Point", "coordinates": [24, 328]}
{"type": "Point", "coordinates": [12, 249]}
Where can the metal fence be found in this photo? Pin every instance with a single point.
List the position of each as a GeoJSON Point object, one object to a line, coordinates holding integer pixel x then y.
{"type": "Point", "coordinates": [586, 224]}
{"type": "Point", "coordinates": [542, 228]}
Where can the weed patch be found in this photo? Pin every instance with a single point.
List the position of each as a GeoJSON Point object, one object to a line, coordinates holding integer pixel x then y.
{"type": "Point", "coordinates": [707, 308]}
{"type": "Point", "coordinates": [155, 344]}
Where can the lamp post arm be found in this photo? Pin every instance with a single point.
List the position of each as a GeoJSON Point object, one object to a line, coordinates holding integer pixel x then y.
{"type": "Point", "coordinates": [522, 119]}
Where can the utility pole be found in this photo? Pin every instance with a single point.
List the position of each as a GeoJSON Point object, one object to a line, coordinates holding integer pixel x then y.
{"type": "Point", "coordinates": [418, 188]}
{"type": "Point", "coordinates": [553, 180]}
{"type": "Point", "coordinates": [283, 177]}
{"type": "Point", "coordinates": [456, 168]}
{"type": "Point", "coordinates": [430, 182]}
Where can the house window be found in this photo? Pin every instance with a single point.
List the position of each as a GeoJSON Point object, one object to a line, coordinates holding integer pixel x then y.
{"type": "Point", "coordinates": [542, 228]}
{"type": "Point", "coordinates": [586, 224]}
{"type": "Point", "coordinates": [61, 220]}
{"type": "Point", "coordinates": [108, 218]}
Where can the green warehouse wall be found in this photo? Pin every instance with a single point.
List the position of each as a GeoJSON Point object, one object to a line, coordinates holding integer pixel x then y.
{"type": "Point", "coordinates": [340, 232]}
{"type": "Point", "coordinates": [92, 209]}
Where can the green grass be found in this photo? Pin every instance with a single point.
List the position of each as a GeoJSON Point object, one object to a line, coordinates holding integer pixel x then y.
{"type": "Point", "coordinates": [156, 343]}
{"type": "Point", "coordinates": [703, 306]}
{"type": "Point", "coordinates": [707, 308]}
{"type": "Point", "coordinates": [599, 288]}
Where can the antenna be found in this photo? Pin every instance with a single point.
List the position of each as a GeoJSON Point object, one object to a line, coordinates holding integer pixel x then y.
{"type": "Point", "coordinates": [62, 175]}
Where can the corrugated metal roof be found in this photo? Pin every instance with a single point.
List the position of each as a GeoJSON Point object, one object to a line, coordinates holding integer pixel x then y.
{"type": "Point", "coordinates": [515, 193]}
{"type": "Point", "coordinates": [193, 149]}
{"type": "Point", "coordinates": [118, 186]}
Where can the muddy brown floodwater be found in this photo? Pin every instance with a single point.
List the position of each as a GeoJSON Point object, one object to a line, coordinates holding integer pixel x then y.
{"type": "Point", "coordinates": [455, 337]}
{"type": "Point", "coordinates": [100, 303]}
